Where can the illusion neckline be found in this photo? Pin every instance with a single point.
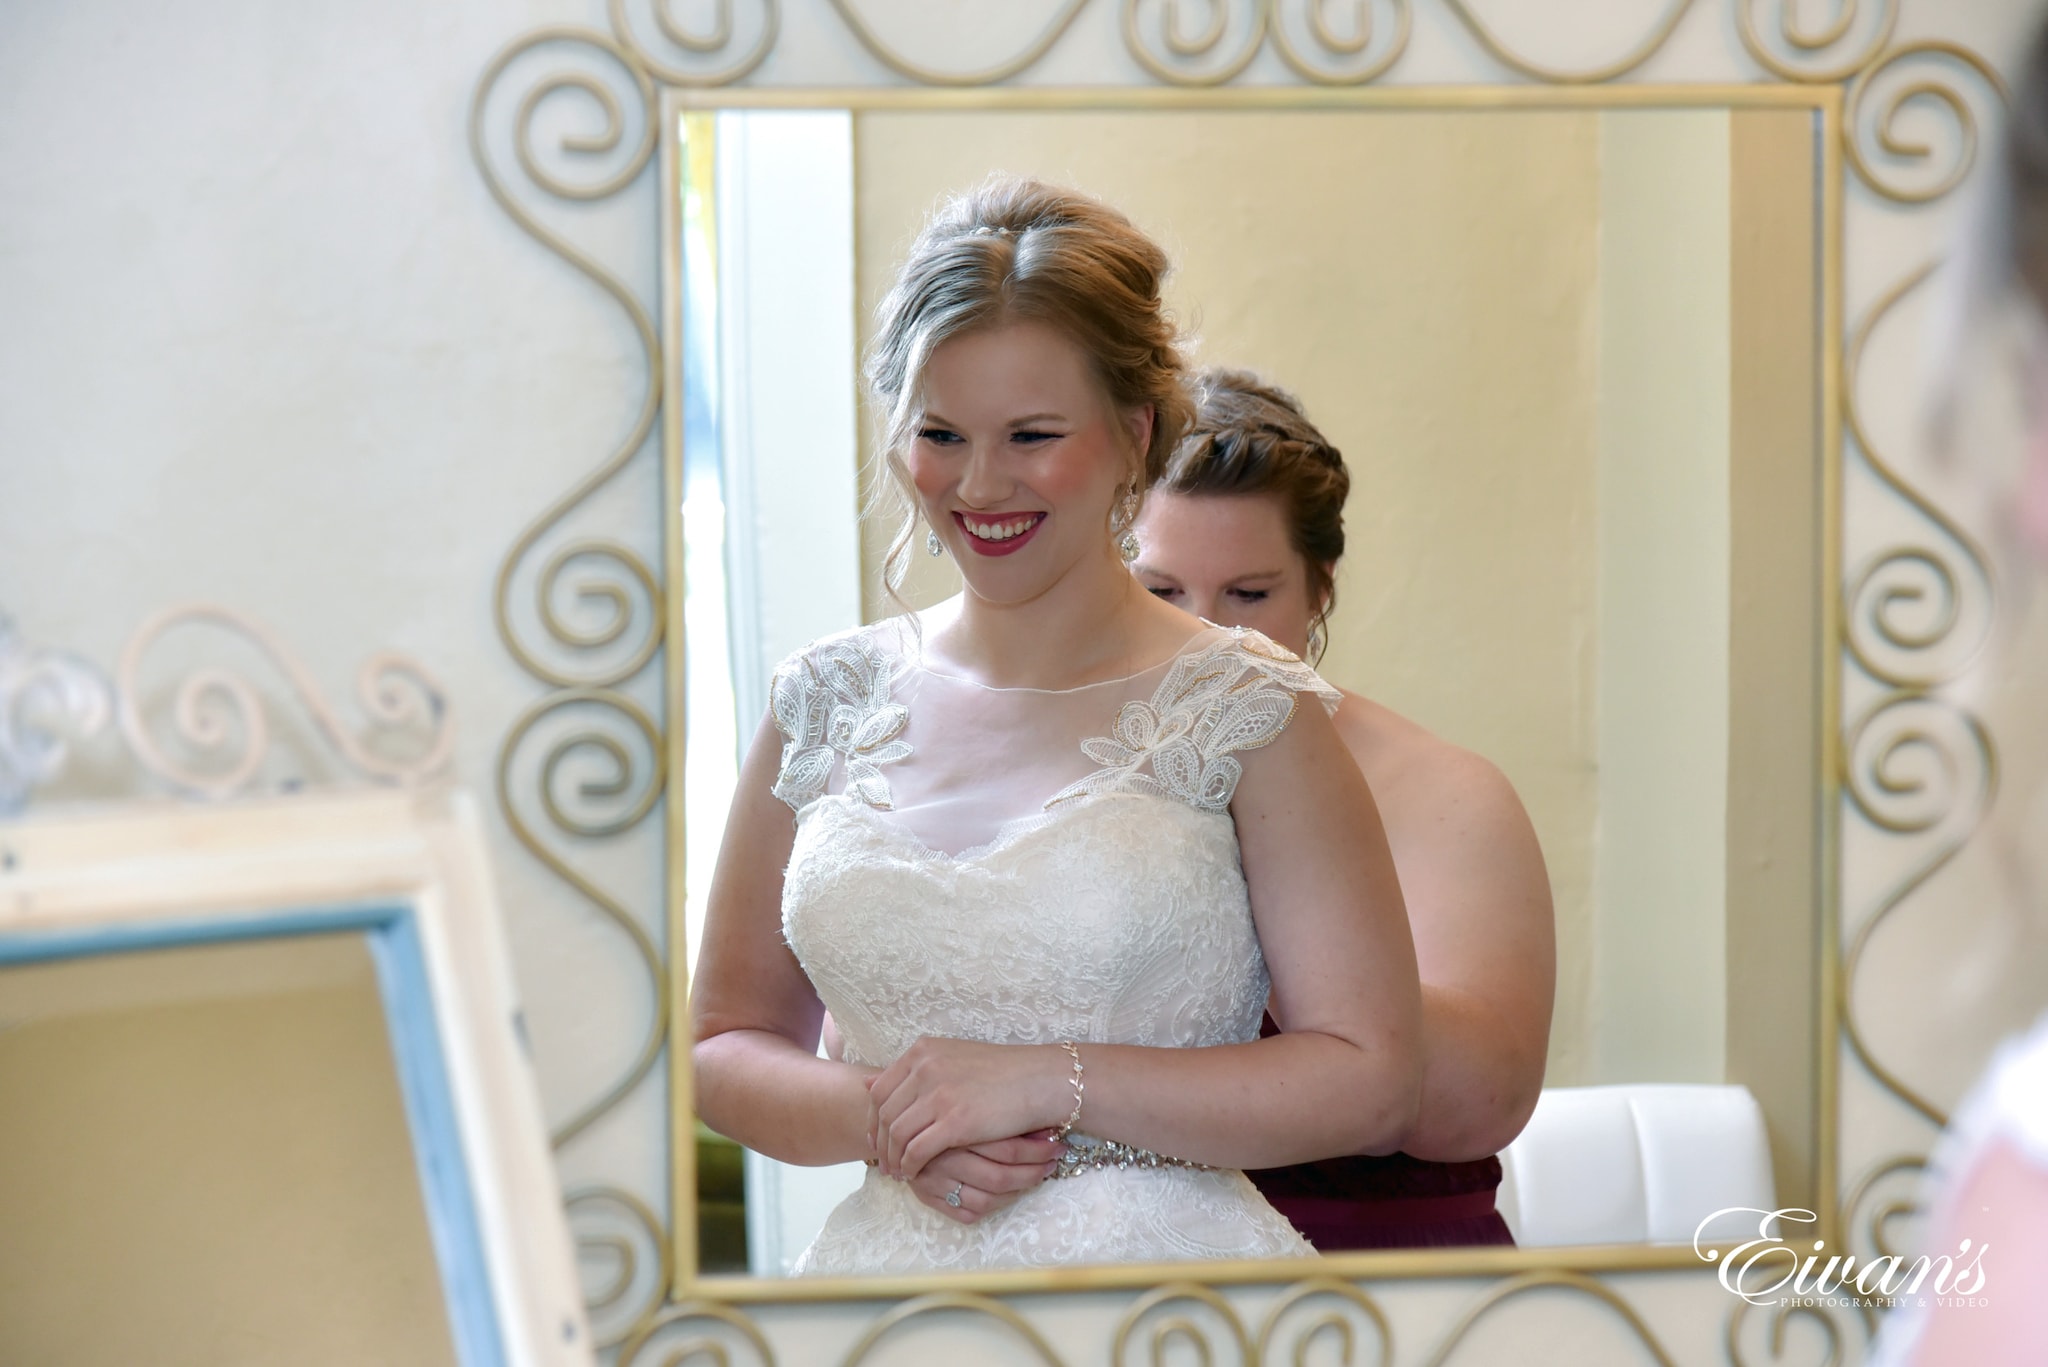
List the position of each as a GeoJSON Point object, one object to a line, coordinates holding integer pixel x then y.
{"type": "Point", "coordinates": [916, 661]}
{"type": "Point", "coordinates": [1007, 834]}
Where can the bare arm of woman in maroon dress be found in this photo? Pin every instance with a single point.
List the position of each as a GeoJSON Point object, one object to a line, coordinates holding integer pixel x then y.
{"type": "Point", "coordinates": [1479, 907]}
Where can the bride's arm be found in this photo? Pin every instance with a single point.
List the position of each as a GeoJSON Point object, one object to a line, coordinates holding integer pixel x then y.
{"type": "Point", "coordinates": [755, 1016]}
{"type": "Point", "coordinates": [1345, 1078]}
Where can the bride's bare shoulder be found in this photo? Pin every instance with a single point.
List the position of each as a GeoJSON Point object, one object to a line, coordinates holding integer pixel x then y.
{"type": "Point", "coordinates": [1161, 629]}
{"type": "Point", "coordinates": [937, 617]}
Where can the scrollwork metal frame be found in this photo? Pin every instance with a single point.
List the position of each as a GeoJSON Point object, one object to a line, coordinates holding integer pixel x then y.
{"type": "Point", "coordinates": [48, 699]}
{"type": "Point", "coordinates": [1843, 64]}
{"type": "Point", "coordinates": [218, 713]}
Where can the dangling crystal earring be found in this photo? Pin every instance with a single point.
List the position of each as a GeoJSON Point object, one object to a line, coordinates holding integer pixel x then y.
{"type": "Point", "coordinates": [932, 542]}
{"type": "Point", "coordinates": [1128, 547]}
{"type": "Point", "coordinates": [1127, 513]}
{"type": "Point", "coordinates": [1315, 641]}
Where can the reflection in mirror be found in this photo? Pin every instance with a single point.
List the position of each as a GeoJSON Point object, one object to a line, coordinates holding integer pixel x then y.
{"type": "Point", "coordinates": [206, 1148]}
{"type": "Point", "coordinates": [1571, 357]}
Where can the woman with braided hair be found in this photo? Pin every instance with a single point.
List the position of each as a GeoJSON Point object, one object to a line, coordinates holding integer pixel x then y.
{"type": "Point", "coordinates": [1245, 528]}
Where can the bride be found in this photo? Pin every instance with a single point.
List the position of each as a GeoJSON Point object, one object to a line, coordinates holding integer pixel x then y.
{"type": "Point", "coordinates": [1051, 845]}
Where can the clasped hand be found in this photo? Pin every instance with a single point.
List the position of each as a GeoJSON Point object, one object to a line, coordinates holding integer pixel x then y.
{"type": "Point", "coordinates": [955, 1116]}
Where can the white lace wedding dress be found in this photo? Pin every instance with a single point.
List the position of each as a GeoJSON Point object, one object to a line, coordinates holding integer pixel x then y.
{"type": "Point", "coordinates": [1024, 866]}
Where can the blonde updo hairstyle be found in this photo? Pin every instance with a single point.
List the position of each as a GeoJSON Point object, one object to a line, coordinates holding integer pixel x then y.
{"type": "Point", "coordinates": [1249, 437]}
{"type": "Point", "coordinates": [1012, 250]}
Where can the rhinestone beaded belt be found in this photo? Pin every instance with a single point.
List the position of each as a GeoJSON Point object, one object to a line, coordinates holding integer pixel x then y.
{"type": "Point", "coordinates": [1085, 1154]}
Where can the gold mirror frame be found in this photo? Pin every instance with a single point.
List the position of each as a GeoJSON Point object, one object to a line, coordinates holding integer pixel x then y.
{"type": "Point", "coordinates": [1849, 70]}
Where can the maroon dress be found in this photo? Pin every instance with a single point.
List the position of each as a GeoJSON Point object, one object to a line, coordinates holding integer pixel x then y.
{"type": "Point", "coordinates": [1393, 1201]}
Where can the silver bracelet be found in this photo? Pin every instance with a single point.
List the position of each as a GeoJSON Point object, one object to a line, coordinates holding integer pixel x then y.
{"type": "Point", "coordinates": [1073, 1052]}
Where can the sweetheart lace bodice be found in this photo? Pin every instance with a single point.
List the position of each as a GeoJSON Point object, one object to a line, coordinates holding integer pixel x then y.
{"type": "Point", "coordinates": [927, 895]}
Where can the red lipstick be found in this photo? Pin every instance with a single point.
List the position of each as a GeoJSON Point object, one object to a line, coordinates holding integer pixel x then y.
{"type": "Point", "coordinates": [1009, 545]}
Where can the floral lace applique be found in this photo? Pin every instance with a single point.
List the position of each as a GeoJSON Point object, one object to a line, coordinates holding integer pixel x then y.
{"type": "Point", "coordinates": [834, 699]}
{"type": "Point", "coordinates": [1237, 694]}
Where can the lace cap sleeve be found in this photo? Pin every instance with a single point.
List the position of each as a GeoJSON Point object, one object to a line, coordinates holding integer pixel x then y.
{"type": "Point", "coordinates": [1283, 667]}
{"type": "Point", "coordinates": [1233, 690]}
{"type": "Point", "coordinates": [831, 701]}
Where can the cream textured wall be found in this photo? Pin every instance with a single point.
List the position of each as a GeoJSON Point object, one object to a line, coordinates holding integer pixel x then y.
{"type": "Point", "coordinates": [1427, 284]}
{"type": "Point", "coordinates": [265, 340]}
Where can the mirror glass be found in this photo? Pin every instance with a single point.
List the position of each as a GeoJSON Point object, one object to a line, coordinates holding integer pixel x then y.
{"type": "Point", "coordinates": [205, 1157]}
{"type": "Point", "coordinates": [1572, 357]}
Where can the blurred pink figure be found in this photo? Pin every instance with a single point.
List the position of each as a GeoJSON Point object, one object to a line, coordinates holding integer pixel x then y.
{"type": "Point", "coordinates": [2031, 509]}
{"type": "Point", "coordinates": [1992, 1167]}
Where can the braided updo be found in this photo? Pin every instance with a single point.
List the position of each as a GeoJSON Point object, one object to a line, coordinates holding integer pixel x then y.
{"type": "Point", "coordinates": [1249, 437]}
{"type": "Point", "coordinates": [1015, 249]}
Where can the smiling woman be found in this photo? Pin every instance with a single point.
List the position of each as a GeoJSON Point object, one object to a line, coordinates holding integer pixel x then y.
{"type": "Point", "coordinates": [1056, 844]}
{"type": "Point", "coordinates": [1085, 367]}
{"type": "Point", "coordinates": [993, 479]}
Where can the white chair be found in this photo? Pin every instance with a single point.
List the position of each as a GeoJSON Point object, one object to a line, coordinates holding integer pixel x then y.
{"type": "Point", "coordinates": [1644, 1162]}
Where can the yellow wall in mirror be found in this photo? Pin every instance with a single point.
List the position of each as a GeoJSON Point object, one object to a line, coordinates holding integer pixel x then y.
{"type": "Point", "coordinates": [1659, 991]}
{"type": "Point", "coordinates": [204, 1160]}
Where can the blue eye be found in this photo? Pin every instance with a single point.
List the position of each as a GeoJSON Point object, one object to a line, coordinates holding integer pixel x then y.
{"type": "Point", "coordinates": [1162, 593]}
{"type": "Point", "coordinates": [1033, 438]}
{"type": "Point", "coordinates": [938, 436]}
